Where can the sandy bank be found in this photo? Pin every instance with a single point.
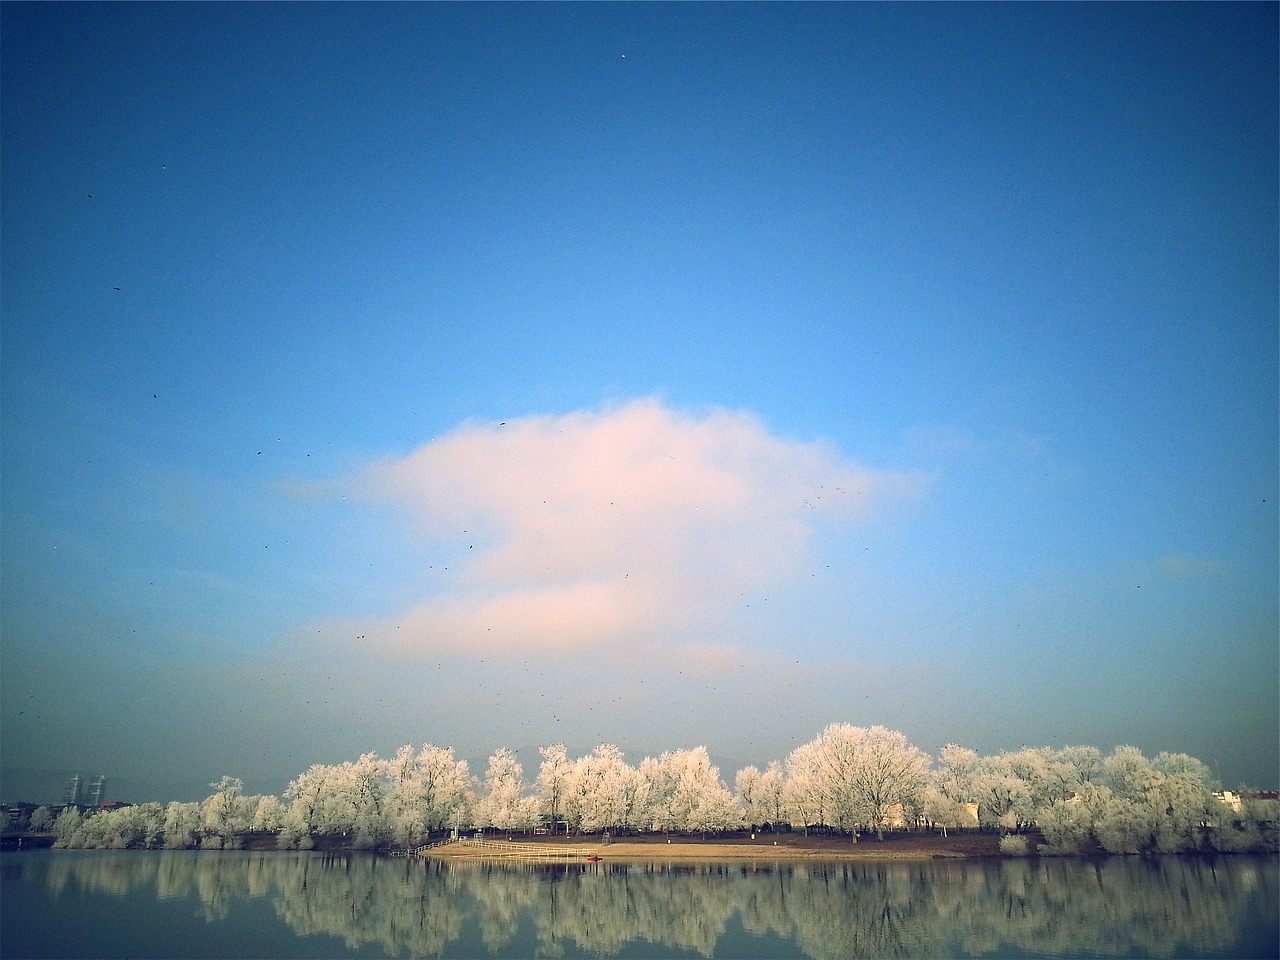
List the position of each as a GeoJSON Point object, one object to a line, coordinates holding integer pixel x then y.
{"type": "Point", "coordinates": [907, 848]}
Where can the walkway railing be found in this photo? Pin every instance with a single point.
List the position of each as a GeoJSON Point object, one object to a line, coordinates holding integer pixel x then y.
{"type": "Point", "coordinates": [415, 851]}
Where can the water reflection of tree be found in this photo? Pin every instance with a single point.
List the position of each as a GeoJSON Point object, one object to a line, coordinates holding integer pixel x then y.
{"type": "Point", "coordinates": [418, 908]}
{"type": "Point", "coordinates": [1112, 908]}
{"type": "Point", "coordinates": [404, 907]}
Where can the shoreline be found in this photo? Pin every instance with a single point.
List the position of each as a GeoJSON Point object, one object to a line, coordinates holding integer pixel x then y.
{"type": "Point", "coordinates": [739, 851]}
{"type": "Point", "coordinates": [896, 848]}
{"type": "Point", "coordinates": [560, 849]}
{"type": "Point", "coordinates": [704, 853]}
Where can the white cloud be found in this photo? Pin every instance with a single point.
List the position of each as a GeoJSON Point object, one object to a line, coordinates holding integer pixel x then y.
{"type": "Point", "coordinates": [630, 527]}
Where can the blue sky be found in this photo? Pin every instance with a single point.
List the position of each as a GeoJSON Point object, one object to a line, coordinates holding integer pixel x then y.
{"type": "Point", "coordinates": [485, 375]}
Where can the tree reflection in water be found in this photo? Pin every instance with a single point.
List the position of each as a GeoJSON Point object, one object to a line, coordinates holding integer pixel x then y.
{"type": "Point", "coordinates": [1116, 907]}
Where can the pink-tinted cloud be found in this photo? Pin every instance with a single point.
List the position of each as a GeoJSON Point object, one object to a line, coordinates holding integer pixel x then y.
{"type": "Point", "coordinates": [624, 528]}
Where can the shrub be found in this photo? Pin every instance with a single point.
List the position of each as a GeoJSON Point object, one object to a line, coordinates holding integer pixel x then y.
{"type": "Point", "coordinates": [1013, 846]}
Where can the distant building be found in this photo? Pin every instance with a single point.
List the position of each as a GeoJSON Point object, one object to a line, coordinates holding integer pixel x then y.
{"type": "Point", "coordinates": [80, 794]}
{"type": "Point", "coordinates": [1232, 800]}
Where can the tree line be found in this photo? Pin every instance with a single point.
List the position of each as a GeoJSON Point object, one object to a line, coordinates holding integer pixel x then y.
{"type": "Point", "coordinates": [848, 779]}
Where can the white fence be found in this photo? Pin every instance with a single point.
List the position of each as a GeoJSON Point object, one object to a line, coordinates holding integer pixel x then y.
{"type": "Point", "coordinates": [508, 849]}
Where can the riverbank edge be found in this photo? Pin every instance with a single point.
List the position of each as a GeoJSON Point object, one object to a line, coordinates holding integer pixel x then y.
{"type": "Point", "coordinates": [736, 853]}
{"type": "Point", "coordinates": [705, 853]}
{"type": "Point", "coordinates": [922, 850]}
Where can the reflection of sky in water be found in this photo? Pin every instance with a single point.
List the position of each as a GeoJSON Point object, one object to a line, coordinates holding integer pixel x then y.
{"type": "Point", "coordinates": [72, 904]}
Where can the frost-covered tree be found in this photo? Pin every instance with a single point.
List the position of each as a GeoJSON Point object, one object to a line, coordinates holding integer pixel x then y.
{"type": "Point", "coordinates": [223, 811]}
{"type": "Point", "coordinates": [150, 818]}
{"type": "Point", "coordinates": [363, 788]}
{"type": "Point", "coordinates": [687, 794]}
{"type": "Point", "coordinates": [634, 801]}
{"type": "Point", "coordinates": [182, 825]}
{"type": "Point", "coordinates": [1186, 769]}
{"type": "Point", "coordinates": [268, 815]}
{"type": "Point", "coordinates": [303, 818]}
{"type": "Point", "coordinates": [1054, 784]}
{"type": "Point", "coordinates": [1123, 826]}
{"type": "Point", "coordinates": [1004, 797]}
{"type": "Point", "coordinates": [442, 785]}
{"type": "Point", "coordinates": [41, 820]}
{"type": "Point", "coordinates": [1155, 805]}
{"type": "Point", "coordinates": [937, 807]}
{"type": "Point", "coordinates": [957, 773]}
{"type": "Point", "coordinates": [1069, 827]}
{"type": "Point", "coordinates": [405, 823]}
{"type": "Point", "coordinates": [120, 829]}
{"type": "Point", "coordinates": [1128, 773]}
{"type": "Point", "coordinates": [1186, 787]}
{"type": "Point", "coordinates": [601, 791]}
{"type": "Point", "coordinates": [425, 791]}
{"type": "Point", "coordinates": [67, 826]}
{"type": "Point", "coordinates": [771, 794]}
{"type": "Point", "coordinates": [553, 776]}
{"type": "Point", "coordinates": [805, 789]}
{"type": "Point", "coordinates": [504, 805]}
{"type": "Point", "coordinates": [761, 796]}
{"type": "Point", "coordinates": [1032, 765]}
{"type": "Point", "coordinates": [1130, 818]}
{"type": "Point", "coordinates": [848, 777]}
{"type": "Point", "coordinates": [1027, 785]}
{"type": "Point", "coordinates": [862, 775]}
{"type": "Point", "coordinates": [375, 801]}
{"type": "Point", "coordinates": [1077, 767]}
{"type": "Point", "coordinates": [746, 784]}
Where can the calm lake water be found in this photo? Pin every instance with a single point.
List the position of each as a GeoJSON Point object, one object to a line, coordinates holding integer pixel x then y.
{"type": "Point", "coordinates": [70, 904]}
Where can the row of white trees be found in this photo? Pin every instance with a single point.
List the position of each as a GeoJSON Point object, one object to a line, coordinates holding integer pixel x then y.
{"type": "Point", "coordinates": [402, 801]}
{"type": "Point", "coordinates": [848, 778]}
{"type": "Point", "coordinates": [220, 820]}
